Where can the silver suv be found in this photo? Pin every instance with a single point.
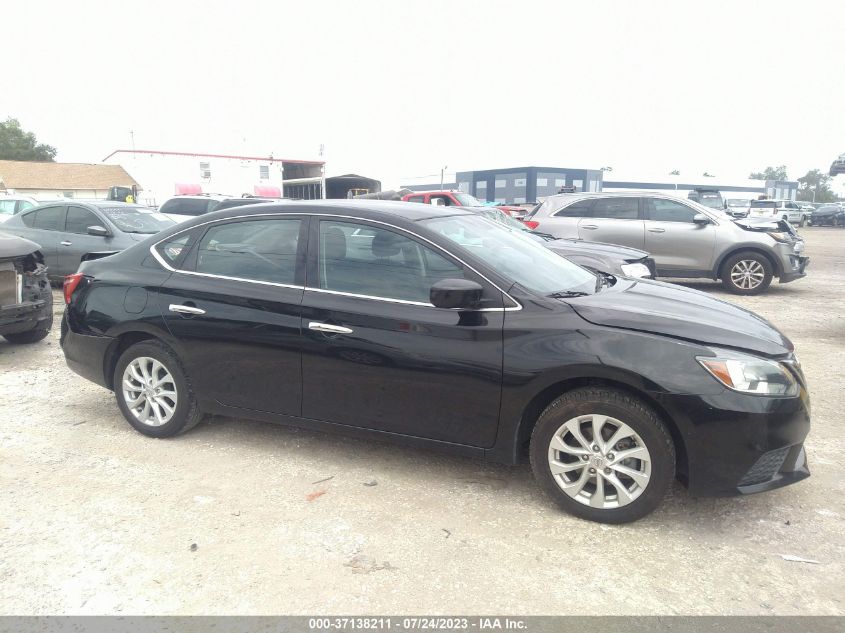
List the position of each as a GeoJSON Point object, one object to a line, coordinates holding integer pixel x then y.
{"type": "Point", "coordinates": [684, 238]}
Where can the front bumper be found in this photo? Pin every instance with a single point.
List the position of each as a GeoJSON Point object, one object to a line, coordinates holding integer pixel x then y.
{"type": "Point", "coordinates": [797, 265]}
{"type": "Point", "coordinates": [22, 317]}
{"type": "Point", "coordinates": [737, 443]}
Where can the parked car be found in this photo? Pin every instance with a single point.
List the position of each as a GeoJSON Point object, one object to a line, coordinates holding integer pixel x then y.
{"type": "Point", "coordinates": [828, 214]}
{"type": "Point", "coordinates": [26, 301]}
{"type": "Point", "coordinates": [71, 231]}
{"type": "Point", "coordinates": [608, 258]}
{"type": "Point", "coordinates": [838, 166]}
{"type": "Point", "coordinates": [448, 198]}
{"type": "Point", "coordinates": [185, 207]}
{"type": "Point", "coordinates": [711, 198]}
{"type": "Point", "coordinates": [737, 207]}
{"type": "Point", "coordinates": [684, 238]}
{"type": "Point", "coordinates": [440, 329]}
{"type": "Point", "coordinates": [10, 205]}
{"type": "Point", "coordinates": [787, 210]}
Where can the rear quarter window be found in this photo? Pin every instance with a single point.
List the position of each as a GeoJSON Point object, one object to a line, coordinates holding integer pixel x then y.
{"type": "Point", "coordinates": [580, 209]}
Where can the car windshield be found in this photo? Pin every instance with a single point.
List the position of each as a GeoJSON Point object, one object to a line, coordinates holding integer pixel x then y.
{"type": "Point", "coordinates": [514, 254]}
{"type": "Point", "coordinates": [733, 202]}
{"type": "Point", "coordinates": [137, 219]}
{"type": "Point", "coordinates": [467, 200]}
{"type": "Point", "coordinates": [710, 200]}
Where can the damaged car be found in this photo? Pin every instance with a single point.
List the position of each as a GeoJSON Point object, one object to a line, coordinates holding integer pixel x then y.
{"type": "Point", "coordinates": [26, 301]}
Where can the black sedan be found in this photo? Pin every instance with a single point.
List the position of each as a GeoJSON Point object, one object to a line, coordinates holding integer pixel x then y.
{"type": "Point", "coordinates": [439, 329]}
{"type": "Point", "coordinates": [828, 215]}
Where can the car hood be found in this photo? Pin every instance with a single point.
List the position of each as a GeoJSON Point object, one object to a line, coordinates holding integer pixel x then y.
{"type": "Point", "coordinates": [613, 250]}
{"type": "Point", "coordinates": [14, 246]}
{"type": "Point", "coordinates": [661, 308]}
{"type": "Point", "coordinates": [138, 237]}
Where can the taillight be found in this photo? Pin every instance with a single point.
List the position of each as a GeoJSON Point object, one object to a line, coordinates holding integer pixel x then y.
{"type": "Point", "coordinates": [531, 224]}
{"type": "Point", "coordinates": [70, 284]}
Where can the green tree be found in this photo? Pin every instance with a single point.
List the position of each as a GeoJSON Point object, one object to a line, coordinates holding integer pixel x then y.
{"type": "Point", "coordinates": [674, 172]}
{"type": "Point", "coordinates": [16, 144]}
{"type": "Point", "coordinates": [815, 187]}
{"type": "Point", "coordinates": [770, 173]}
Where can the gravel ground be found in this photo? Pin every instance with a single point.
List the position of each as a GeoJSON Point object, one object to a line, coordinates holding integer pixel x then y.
{"type": "Point", "coordinates": [98, 519]}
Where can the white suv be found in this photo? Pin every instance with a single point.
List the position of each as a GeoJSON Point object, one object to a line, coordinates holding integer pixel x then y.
{"type": "Point", "coordinates": [788, 210]}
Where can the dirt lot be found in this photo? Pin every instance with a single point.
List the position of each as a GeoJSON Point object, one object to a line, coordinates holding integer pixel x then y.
{"type": "Point", "coordinates": [98, 519]}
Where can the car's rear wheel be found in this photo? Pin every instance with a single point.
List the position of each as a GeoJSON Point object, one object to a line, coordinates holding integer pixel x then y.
{"type": "Point", "coordinates": [603, 455]}
{"type": "Point", "coordinates": [153, 391]}
{"type": "Point", "coordinates": [747, 273]}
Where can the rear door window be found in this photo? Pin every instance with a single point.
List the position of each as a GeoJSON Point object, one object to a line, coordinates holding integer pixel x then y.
{"type": "Point", "coordinates": [255, 250]}
{"type": "Point", "coordinates": [48, 218]}
{"type": "Point", "coordinates": [616, 208]}
{"type": "Point", "coordinates": [580, 209]}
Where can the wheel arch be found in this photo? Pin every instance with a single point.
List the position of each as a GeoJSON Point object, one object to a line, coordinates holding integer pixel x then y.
{"type": "Point", "coordinates": [776, 266]}
{"type": "Point", "coordinates": [123, 339]}
{"type": "Point", "coordinates": [535, 407]}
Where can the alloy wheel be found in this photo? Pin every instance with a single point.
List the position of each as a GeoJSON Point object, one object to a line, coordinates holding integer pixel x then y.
{"type": "Point", "coordinates": [599, 461]}
{"type": "Point", "coordinates": [149, 391]}
{"type": "Point", "coordinates": [747, 274]}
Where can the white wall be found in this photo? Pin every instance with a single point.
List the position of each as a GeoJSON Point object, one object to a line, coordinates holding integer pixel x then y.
{"type": "Point", "coordinates": [158, 174]}
{"type": "Point", "coordinates": [53, 194]}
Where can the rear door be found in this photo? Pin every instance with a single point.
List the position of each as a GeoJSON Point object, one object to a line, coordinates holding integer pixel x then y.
{"type": "Point", "coordinates": [378, 355]}
{"type": "Point", "coordinates": [674, 241]}
{"type": "Point", "coordinates": [615, 221]}
{"type": "Point", "coordinates": [234, 306]}
{"type": "Point", "coordinates": [44, 227]}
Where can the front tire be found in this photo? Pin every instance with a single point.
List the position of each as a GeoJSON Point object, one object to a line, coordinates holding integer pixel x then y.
{"type": "Point", "coordinates": [747, 273]}
{"type": "Point", "coordinates": [153, 391]}
{"type": "Point", "coordinates": [603, 455]}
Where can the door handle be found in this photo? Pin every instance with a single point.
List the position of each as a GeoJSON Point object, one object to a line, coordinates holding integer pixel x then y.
{"type": "Point", "coordinates": [591, 227]}
{"type": "Point", "coordinates": [186, 309]}
{"type": "Point", "coordinates": [656, 230]}
{"type": "Point", "coordinates": [66, 243]}
{"type": "Point", "coordinates": [328, 328]}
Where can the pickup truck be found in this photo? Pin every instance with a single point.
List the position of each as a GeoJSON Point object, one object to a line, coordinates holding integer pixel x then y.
{"type": "Point", "coordinates": [458, 199]}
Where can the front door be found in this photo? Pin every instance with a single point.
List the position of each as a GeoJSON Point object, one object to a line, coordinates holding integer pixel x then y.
{"type": "Point", "coordinates": [676, 243]}
{"type": "Point", "coordinates": [75, 240]}
{"type": "Point", "coordinates": [378, 355]}
{"type": "Point", "coordinates": [234, 306]}
{"type": "Point", "coordinates": [614, 221]}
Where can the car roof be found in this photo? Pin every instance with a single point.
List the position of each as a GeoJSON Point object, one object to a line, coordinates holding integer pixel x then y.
{"type": "Point", "coordinates": [383, 210]}
{"type": "Point", "coordinates": [98, 204]}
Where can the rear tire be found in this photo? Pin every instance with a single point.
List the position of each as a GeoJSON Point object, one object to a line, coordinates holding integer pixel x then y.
{"type": "Point", "coordinates": [592, 479]}
{"type": "Point", "coordinates": [747, 273]}
{"type": "Point", "coordinates": [154, 392]}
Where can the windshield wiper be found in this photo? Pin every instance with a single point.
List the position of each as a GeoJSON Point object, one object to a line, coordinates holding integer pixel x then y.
{"type": "Point", "coordinates": [568, 294]}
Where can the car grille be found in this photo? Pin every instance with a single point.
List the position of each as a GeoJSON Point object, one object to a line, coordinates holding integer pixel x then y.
{"type": "Point", "coordinates": [765, 467]}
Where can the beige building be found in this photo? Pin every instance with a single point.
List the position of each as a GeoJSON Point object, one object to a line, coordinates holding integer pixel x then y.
{"type": "Point", "coordinates": [55, 180]}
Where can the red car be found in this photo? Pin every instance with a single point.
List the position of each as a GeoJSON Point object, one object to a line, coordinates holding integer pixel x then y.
{"type": "Point", "coordinates": [458, 199]}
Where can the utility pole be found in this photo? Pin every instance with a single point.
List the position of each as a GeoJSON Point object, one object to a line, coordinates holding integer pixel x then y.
{"type": "Point", "coordinates": [442, 172]}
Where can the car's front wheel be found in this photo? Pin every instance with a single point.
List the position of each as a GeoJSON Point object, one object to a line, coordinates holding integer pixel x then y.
{"type": "Point", "coordinates": [747, 273]}
{"type": "Point", "coordinates": [603, 455]}
{"type": "Point", "coordinates": [153, 391]}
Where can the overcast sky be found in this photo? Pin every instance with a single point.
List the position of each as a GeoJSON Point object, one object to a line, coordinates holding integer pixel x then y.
{"type": "Point", "coordinates": [399, 89]}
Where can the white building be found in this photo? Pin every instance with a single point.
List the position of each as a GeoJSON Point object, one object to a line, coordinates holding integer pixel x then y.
{"type": "Point", "coordinates": [163, 174]}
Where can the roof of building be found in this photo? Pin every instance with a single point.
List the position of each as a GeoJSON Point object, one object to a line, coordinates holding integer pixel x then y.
{"type": "Point", "coordinates": [268, 159]}
{"type": "Point", "coordinates": [17, 174]}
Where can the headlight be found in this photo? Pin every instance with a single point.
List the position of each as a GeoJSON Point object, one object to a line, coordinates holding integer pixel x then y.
{"type": "Point", "coordinates": [779, 236]}
{"type": "Point", "coordinates": [635, 270]}
{"type": "Point", "coordinates": [749, 374]}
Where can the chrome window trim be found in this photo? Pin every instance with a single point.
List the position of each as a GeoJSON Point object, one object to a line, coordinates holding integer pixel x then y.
{"type": "Point", "coordinates": [154, 252]}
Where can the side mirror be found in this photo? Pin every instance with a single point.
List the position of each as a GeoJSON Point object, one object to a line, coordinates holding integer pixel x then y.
{"type": "Point", "coordinates": [700, 219]}
{"type": "Point", "coordinates": [99, 231]}
{"type": "Point", "coordinates": [456, 294]}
